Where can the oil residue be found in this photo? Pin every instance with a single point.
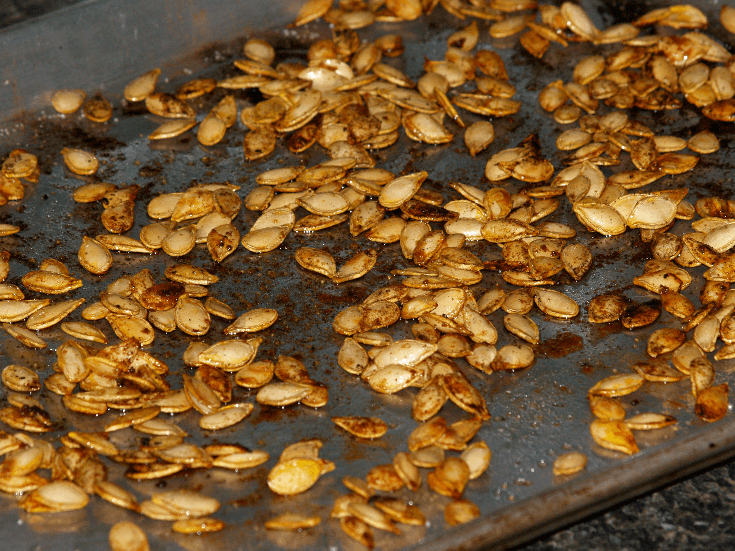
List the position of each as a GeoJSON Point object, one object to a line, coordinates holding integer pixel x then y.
{"type": "Point", "coordinates": [563, 344]}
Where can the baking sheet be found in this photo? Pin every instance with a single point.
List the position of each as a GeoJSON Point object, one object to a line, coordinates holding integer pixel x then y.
{"type": "Point", "coordinates": [536, 414]}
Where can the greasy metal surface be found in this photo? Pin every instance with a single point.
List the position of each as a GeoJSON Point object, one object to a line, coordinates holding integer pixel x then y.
{"type": "Point", "coordinates": [536, 413]}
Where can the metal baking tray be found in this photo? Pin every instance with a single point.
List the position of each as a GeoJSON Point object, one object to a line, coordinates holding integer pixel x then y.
{"type": "Point", "coordinates": [537, 413]}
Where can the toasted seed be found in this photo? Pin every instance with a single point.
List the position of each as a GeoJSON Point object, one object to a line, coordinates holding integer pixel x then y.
{"type": "Point", "coordinates": [640, 315]}
{"type": "Point", "coordinates": [172, 128]}
{"type": "Point", "coordinates": [222, 241]}
{"type": "Point", "coordinates": [197, 525]}
{"type": "Point", "coordinates": [26, 337]}
{"type": "Point", "coordinates": [141, 87]}
{"type": "Point", "coordinates": [94, 257]}
{"type": "Point", "coordinates": [294, 476]}
{"type": "Point", "coordinates": [282, 394]}
{"type": "Point", "coordinates": [618, 385]}
{"type": "Point", "coordinates": [68, 101]}
{"type": "Point", "coordinates": [97, 109]}
{"type": "Point", "coordinates": [254, 320]}
{"type": "Point", "coordinates": [405, 352]}
{"type": "Point", "coordinates": [185, 273]}
{"type": "Point", "coordinates": [180, 242]}
{"type": "Point", "coordinates": [569, 463]}
{"type": "Point", "coordinates": [55, 496]}
{"type": "Point", "coordinates": [160, 427]}
{"type": "Point", "coordinates": [503, 231]}
{"type": "Point", "coordinates": [134, 417]}
{"type": "Point", "coordinates": [460, 511]}
{"type": "Point", "coordinates": [211, 130]}
{"type": "Point", "coordinates": [450, 477]}
{"type": "Point", "coordinates": [357, 266]}
{"type": "Point", "coordinates": [523, 327]}
{"type": "Point", "coordinates": [80, 161]}
{"type": "Point", "coordinates": [168, 106]}
{"type": "Point", "coordinates": [229, 355]}
{"type": "Point", "coordinates": [605, 407]}
{"type": "Point", "coordinates": [479, 136]}
{"type": "Point", "coordinates": [704, 142]}
{"type": "Point", "coordinates": [191, 316]}
{"type": "Point", "coordinates": [111, 492]}
{"type": "Point", "coordinates": [664, 340]}
{"type": "Point", "coordinates": [20, 379]}
{"type": "Point", "coordinates": [555, 304]}
{"type": "Point", "coordinates": [49, 282]}
{"type": "Point", "coordinates": [600, 218]}
{"type": "Point", "coordinates": [513, 356]}
{"type": "Point", "coordinates": [572, 139]}
{"type": "Point", "coordinates": [613, 435]}
{"type": "Point", "coordinates": [225, 417]}
{"type": "Point", "coordinates": [126, 327]}
{"type": "Point", "coordinates": [186, 502]}
{"type": "Point", "coordinates": [52, 314]}
{"type": "Point", "coordinates": [649, 421]}
{"type": "Point", "coordinates": [9, 291]}
{"type": "Point", "coordinates": [477, 456]}
{"type": "Point", "coordinates": [362, 427]}
{"type": "Point", "coordinates": [518, 301]}
{"type": "Point", "coordinates": [316, 260]}
{"type": "Point", "coordinates": [712, 403]}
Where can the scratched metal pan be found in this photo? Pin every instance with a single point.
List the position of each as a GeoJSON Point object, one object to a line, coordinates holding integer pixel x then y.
{"type": "Point", "coordinates": [537, 413]}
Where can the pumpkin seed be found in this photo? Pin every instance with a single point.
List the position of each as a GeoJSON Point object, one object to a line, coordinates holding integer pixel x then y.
{"type": "Point", "coordinates": [68, 101]}
{"type": "Point", "coordinates": [225, 417]}
{"type": "Point", "coordinates": [569, 463]}
{"type": "Point", "coordinates": [712, 403]}
{"type": "Point", "coordinates": [141, 87]}
{"type": "Point", "coordinates": [26, 337]}
{"type": "Point", "coordinates": [43, 281]}
{"type": "Point", "coordinates": [168, 106]}
{"type": "Point", "coordinates": [460, 511]}
{"type": "Point", "coordinates": [97, 109]}
{"type": "Point", "coordinates": [362, 427]}
{"type": "Point", "coordinates": [20, 379]}
{"type": "Point", "coordinates": [211, 130]}
{"type": "Point", "coordinates": [613, 435]}
{"type": "Point", "coordinates": [172, 128]}
{"type": "Point", "coordinates": [94, 256]}
{"type": "Point", "coordinates": [52, 314]}
{"type": "Point", "coordinates": [191, 316]}
{"type": "Point", "coordinates": [80, 161]}
{"type": "Point", "coordinates": [54, 497]}
{"type": "Point", "coordinates": [116, 495]}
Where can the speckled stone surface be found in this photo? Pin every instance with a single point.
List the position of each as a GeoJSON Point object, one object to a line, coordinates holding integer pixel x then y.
{"type": "Point", "coordinates": [694, 515]}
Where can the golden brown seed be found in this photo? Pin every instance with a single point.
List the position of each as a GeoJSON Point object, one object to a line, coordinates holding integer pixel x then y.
{"type": "Point", "coordinates": [94, 256]}
{"type": "Point", "coordinates": [197, 525]}
{"type": "Point", "coordinates": [618, 385]}
{"type": "Point", "coordinates": [569, 463]}
{"type": "Point", "coordinates": [460, 511]}
{"type": "Point", "coordinates": [68, 101]}
{"type": "Point", "coordinates": [20, 379]}
{"type": "Point", "coordinates": [294, 476]}
{"type": "Point", "coordinates": [168, 106]}
{"type": "Point", "coordinates": [613, 435]}
{"type": "Point", "coordinates": [54, 497]}
{"type": "Point", "coordinates": [26, 337]}
{"type": "Point", "coordinates": [80, 161]}
{"type": "Point", "coordinates": [127, 536]}
{"type": "Point", "coordinates": [141, 87]}
{"type": "Point", "coordinates": [712, 403]}
{"type": "Point", "coordinates": [362, 427]}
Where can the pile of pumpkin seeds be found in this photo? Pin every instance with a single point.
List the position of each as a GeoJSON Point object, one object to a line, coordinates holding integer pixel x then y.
{"type": "Point", "coordinates": [351, 102]}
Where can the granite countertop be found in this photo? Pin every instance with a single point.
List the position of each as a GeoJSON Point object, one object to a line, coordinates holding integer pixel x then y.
{"type": "Point", "coordinates": [695, 514]}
